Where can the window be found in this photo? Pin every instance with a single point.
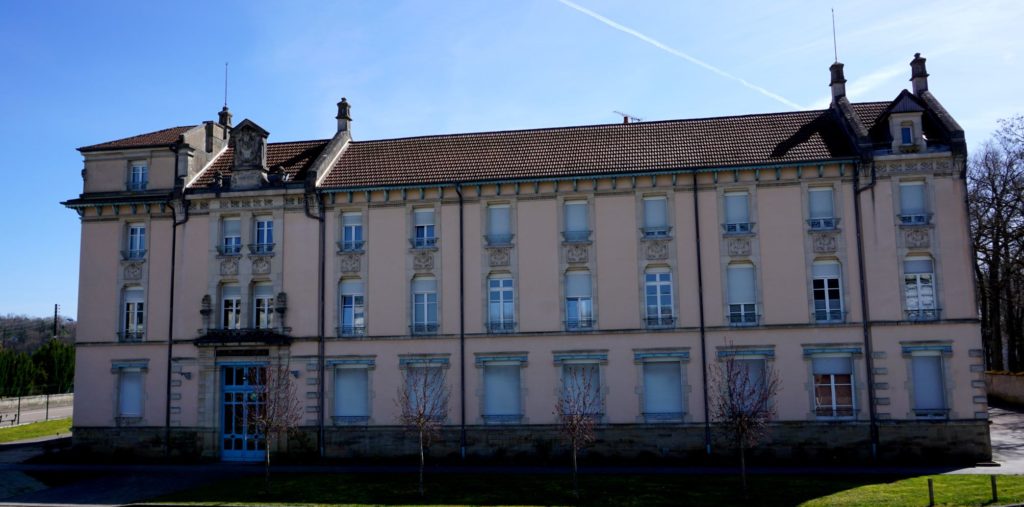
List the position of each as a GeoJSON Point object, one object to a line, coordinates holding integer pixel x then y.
{"type": "Point", "coordinates": [134, 324]}
{"type": "Point", "coordinates": [828, 300]}
{"type": "Point", "coordinates": [658, 297]}
{"type": "Point", "coordinates": [231, 236]}
{"type": "Point", "coordinates": [833, 386]}
{"type": "Point", "coordinates": [919, 288]}
{"type": "Point", "coordinates": [499, 224]}
{"type": "Point", "coordinates": [136, 242]}
{"type": "Point", "coordinates": [263, 303]}
{"type": "Point", "coordinates": [906, 135]}
{"type": "Point", "coordinates": [425, 384]}
{"type": "Point", "coordinates": [581, 388]}
{"type": "Point", "coordinates": [129, 393]}
{"type": "Point", "coordinates": [423, 221]}
{"type": "Point", "coordinates": [742, 299]}
{"type": "Point", "coordinates": [822, 209]}
{"type": "Point", "coordinates": [929, 397]}
{"type": "Point", "coordinates": [264, 236]}
{"type": "Point", "coordinates": [424, 305]}
{"type": "Point", "coordinates": [351, 232]}
{"type": "Point", "coordinates": [231, 307]}
{"type": "Point", "coordinates": [500, 304]}
{"type": "Point", "coordinates": [502, 392]}
{"type": "Point", "coordinates": [912, 204]}
{"type": "Point", "coordinates": [663, 391]}
{"type": "Point", "coordinates": [655, 217]}
{"type": "Point", "coordinates": [353, 312]}
{"type": "Point", "coordinates": [737, 212]}
{"type": "Point", "coordinates": [753, 371]}
{"type": "Point", "coordinates": [351, 394]}
{"type": "Point", "coordinates": [579, 312]}
{"type": "Point", "coordinates": [576, 221]}
{"type": "Point", "coordinates": [138, 176]}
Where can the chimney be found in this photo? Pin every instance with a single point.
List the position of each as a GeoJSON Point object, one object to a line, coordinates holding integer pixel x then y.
{"type": "Point", "coordinates": [343, 116]}
{"type": "Point", "coordinates": [918, 74]}
{"type": "Point", "coordinates": [838, 83]}
{"type": "Point", "coordinates": [224, 117]}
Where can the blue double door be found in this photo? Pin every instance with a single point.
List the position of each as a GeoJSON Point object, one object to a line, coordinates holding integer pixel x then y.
{"type": "Point", "coordinates": [240, 402]}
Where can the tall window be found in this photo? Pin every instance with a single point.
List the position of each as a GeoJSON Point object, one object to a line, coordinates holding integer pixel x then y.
{"type": "Point", "coordinates": [499, 224]}
{"type": "Point", "coordinates": [663, 391]}
{"type": "Point", "coordinates": [134, 320]}
{"type": "Point", "coordinates": [577, 226]}
{"type": "Point", "coordinates": [655, 217]}
{"type": "Point", "coordinates": [737, 212]}
{"type": "Point", "coordinates": [129, 393]}
{"type": "Point", "coordinates": [423, 222]}
{"type": "Point", "coordinates": [742, 296]}
{"type": "Point", "coordinates": [822, 208]}
{"type": "Point", "coordinates": [136, 241]}
{"type": "Point", "coordinates": [352, 231]}
{"type": "Point", "coordinates": [263, 304]}
{"type": "Point", "coordinates": [138, 176]}
{"type": "Point", "coordinates": [424, 305]}
{"type": "Point", "coordinates": [919, 288]}
{"type": "Point", "coordinates": [502, 392]}
{"type": "Point", "coordinates": [351, 394]}
{"type": "Point", "coordinates": [828, 300]}
{"type": "Point", "coordinates": [231, 236]}
{"type": "Point", "coordinates": [231, 307]}
{"type": "Point", "coordinates": [906, 134]}
{"type": "Point", "coordinates": [913, 209]}
{"type": "Point", "coordinates": [582, 381]}
{"type": "Point", "coordinates": [929, 396]}
{"type": "Point", "coordinates": [579, 311]}
{"type": "Point", "coordinates": [264, 235]}
{"type": "Point", "coordinates": [353, 314]}
{"type": "Point", "coordinates": [833, 386]}
{"type": "Point", "coordinates": [500, 304]}
{"type": "Point", "coordinates": [658, 297]}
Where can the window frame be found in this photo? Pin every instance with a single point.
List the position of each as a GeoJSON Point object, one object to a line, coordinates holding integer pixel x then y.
{"type": "Point", "coordinates": [351, 233]}
{"type": "Point", "coordinates": [506, 321]}
{"type": "Point", "coordinates": [135, 241]}
{"type": "Point", "coordinates": [234, 246]}
{"type": "Point", "coordinates": [822, 223]}
{"type": "Point", "coordinates": [357, 306]}
{"type": "Point", "coordinates": [235, 307]}
{"type": "Point", "coordinates": [662, 417]}
{"type": "Point", "coordinates": [570, 233]}
{"type": "Point", "coordinates": [656, 231]}
{"type": "Point", "coordinates": [424, 235]}
{"type": "Point", "coordinates": [263, 305]}
{"type": "Point", "coordinates": [831, 315]}
{"type": "Point", "coordinates": [123, 374]}
{"type": "Point", "coordinates": [742, 312]}
{"type": "Point", "coordinates": [138, 175]}
{"type": "Point", "coordinates": [263, 235]}
{"type": "Point", "coordinates": [912, 217]}
{"type": "Point", "coordinates": [598, 383]}
{"type": "Point", "coordinates": [427, 300]}
{"type": "Point", "coordinates": [493, 418]}
{"type": "Point", "coordinates": [132, 326]}
{"type": "Point", "coordinates": [737, 227]}
{"type": "Point", "coordinates": [929, 413]}
{"type": "Point", "coordinates": [834, 408]}
{"type": "Point", "coordinates": [918, 313]}
{"type": "Point", "coordinates": [336, 402]}
{"type": "Point", "coordinates": [662, 282]}
{"type": "Point", "coordinates": [582, 318]}
{"type": "Point", "coordinates": [491, 237]}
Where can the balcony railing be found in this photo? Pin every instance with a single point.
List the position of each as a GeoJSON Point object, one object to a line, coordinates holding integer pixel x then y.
{"type": "Point", "coordinates": [576, 236]}
{"type": "Point", "coordinates": [656, 232]}
{"type": "Point", "coordinates": [351, 330]}
{"type": "Point", "coordinates": [498, 239]}
{"type": "Point", "coordinates": [660, 321]}
{"type": "Point", "coordinates": [656, 417]}
{"type": "Point", "coordinates": [823, 224]}
{"type": "Point", "coordinates": [916, 219]}
{"type": "Point", "coordinates": [746, 316]}
{"type": "Point", "coordinates": [579, 324]}
{"type": "Point", "coordinates": [925, 314]}
{"type": "Point", "coordinates": [229, 250]}
{"type": "Point", "coordinates": [133, 255]}
{"type": "Point", "coordinates": [137, 186]}
{"type": "Point", "coordinates": [130, 336]}
{"type": "Point", "coordinates": [738, 228]}
{"type": "Point", "coordinates": [931, 413]}
{"type": "Point", "coordinates": [351, 246]}
{"type": "Point", "coordinates": [835, 412]}
{"type": "Point", "coordinates": [503, 419]}
{"type": "Point", "coordinates": [507, 326]}
{"type": "Point", "coordinates": [423, 242]}
{"type": "Point", "coordinates": [424, 329]}
{"type": "Point", "coordinates": [261, 248]}
{"type": "Point", "coordinates": [826, 316]}
{"type": "Point", "coordinates": [350, 420]}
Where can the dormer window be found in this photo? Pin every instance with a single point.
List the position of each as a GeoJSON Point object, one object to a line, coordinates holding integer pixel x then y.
{"type": "Point", "coordinates": [907, 134]}
{"type": "Point", "coordinates": [138, 176]}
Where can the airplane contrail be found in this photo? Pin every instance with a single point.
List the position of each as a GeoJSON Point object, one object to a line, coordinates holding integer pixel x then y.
{"type": "Point", "coordinates": [680, 54]}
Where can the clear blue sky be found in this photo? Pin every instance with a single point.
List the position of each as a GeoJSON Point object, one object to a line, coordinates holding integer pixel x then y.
{"type": "Point", "coordinates": [86, 72]}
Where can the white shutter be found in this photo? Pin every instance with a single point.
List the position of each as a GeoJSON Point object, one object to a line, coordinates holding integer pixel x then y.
{"type": "Point", "coordinates": [501, 390]}
{"type": "Point", "coordinates": [231, 292]}
{"type": "Point", "coordinates": [351, 392]}
{"type": "Point", "coordinates": [577, 284]}
{"type": "Point", "coordinates": [821, 203]}
{"type": "Point", "coordinates": [498, 223]}
{"type": "Point", "coordinates": [928, 383]}
{"type": "Point", "coordinates": [133, 295]}
{"type": "Point", "coordinates": [825, 269]}
{"type": "Point", "coordinates": [655, 212]}
{"type": "Point", "coordinates": [232, 227]}
{"type": "Point", "coordinates": [754, 369]}
{"type": "Point", "coordinates": [352, 287]}
{"type": "Point", "coordinates": [912, 198]}
{"type": "Point", "coordinates": [130, 393]}
{"type": "Point", "coordinates": [576, 216]}
{"type": "Point", "coordinates": [741, 283]}
{"type": "Point", "coordinates": [423, 217]}
{"type": "Point", "coordinates": [662, 388]}
{"type": "Point", "coordinates": [736, 208]}
{"type": "Point", "coordinates": [831, 365]}
{"type": "Point", "coordinates": [263, 291]}
{"type": "Point", "coordinates": [420, 285]}
{"type": "Point", "coordinates": [352, 219]}
{"type": "Point", "coordinates": [917, 265]}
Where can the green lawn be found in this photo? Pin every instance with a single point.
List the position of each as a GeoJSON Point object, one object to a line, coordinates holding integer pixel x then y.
{"type": "Point", "coordinates": [34, 430]}
{"type": "Point", "coordinates": [619, 490]}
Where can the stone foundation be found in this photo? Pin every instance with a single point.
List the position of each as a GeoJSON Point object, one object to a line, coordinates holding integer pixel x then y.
{"type": "Point", "coordinates": [913, 442]}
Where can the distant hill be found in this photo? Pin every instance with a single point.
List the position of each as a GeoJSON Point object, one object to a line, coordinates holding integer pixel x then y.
{"type": "Point", "coordinates": [22, 333]}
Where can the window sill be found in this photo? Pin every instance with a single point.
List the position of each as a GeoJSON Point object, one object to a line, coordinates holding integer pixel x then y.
{"type": "Point", "coordinates": [662, 417]}
{"type": "Point", "coordinates": [128, 420]}
{"type": "Point", "coordinates": [350, 420]}
{"type": "Point", "coordinates": [498, 420]}
{"type": "Point", "coordinates": [939, 414]}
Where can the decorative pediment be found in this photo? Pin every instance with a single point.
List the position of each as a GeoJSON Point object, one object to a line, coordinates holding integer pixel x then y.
{"type": "Point", "coordinates": [249, 168]}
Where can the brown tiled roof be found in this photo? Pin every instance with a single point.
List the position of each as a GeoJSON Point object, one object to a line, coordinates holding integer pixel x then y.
{"type": "Point", "coordinates": [165, 137]}
{"type": "Point", "coordinates": [293, 157]}
{"type": "Point", "coordinates": [601, 149]}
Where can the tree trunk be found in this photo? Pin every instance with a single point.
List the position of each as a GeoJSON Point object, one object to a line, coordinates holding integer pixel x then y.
{"type": "Point", "coordinates": [743, 466]}
{"type": "Point", "coordinates": [995, 291]}
{"type": "Point", "coordinates": [422, 463]}
{"type": "Point", "coordinates": [575, 480]}
{"type": "Point", "coordinates": [266, 463]}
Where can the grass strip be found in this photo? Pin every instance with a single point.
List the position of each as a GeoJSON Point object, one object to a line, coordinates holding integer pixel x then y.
{"type": "Point", "coordinates": [35, 430]}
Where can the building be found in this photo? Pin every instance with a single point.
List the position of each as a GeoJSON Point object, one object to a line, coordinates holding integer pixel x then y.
{"type": "Point", "coordinates": [831, 245]}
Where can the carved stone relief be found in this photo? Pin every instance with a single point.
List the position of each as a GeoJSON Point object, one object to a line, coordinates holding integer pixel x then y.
{"type": "Point", "coordinates": [133, 271]}
{"type": "Point", "coordinates": [576, 254]}
{"type": "Point", "coordinates": [656, 250]}
{"type": "Point", "coordinates": [916, 167]}
{"type": "Point", "coordinates": [917, 237]}
{"type": "Point", "coordinates": [824, 243]}
{"type": "Point", "coordinates": [499, 256]}
{"type": "Point", "coordinates": [260, 265]}
{"type": "Point", "coordinates": [738, 247]}
{"type": "Point", "coordinates": [351, 262]}
{"type": "Point", "coordinates": [423, 260]}
{"type": "Point", "coordinates": [229, 266]}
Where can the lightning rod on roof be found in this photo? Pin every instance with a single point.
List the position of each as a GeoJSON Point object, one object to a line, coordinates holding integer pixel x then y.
{"type": "Point", "coordinates": [225, 84]}
{"type": "Point", "coordinates": [835, 47]}
{"type": "Point", "coordinates": [626, 117]}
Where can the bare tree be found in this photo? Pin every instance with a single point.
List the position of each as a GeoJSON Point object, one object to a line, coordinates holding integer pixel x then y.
{"type": "Point", "coordinates": [276, 409]}
{"type": "Point", "coordinates": [578, 408]}
{"type": "Point", "coordinates": [423, 402]}
{"type": "Point", "coordinates": [741, 402]}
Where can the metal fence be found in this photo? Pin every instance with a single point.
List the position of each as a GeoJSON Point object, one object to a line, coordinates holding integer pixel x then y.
{"type": "Point", "coordinates": [43, 407]}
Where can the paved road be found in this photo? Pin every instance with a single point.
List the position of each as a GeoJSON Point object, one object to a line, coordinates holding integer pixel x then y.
{"type": "Point", "coordinates": [36, 415]}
